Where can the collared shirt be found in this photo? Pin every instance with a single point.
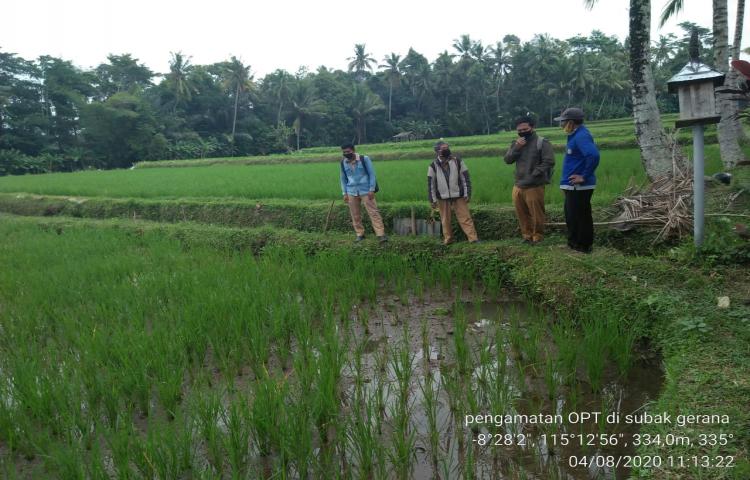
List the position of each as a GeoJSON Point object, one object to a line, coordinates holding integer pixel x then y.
{"type": "Point", "coordinates": [357, 176]}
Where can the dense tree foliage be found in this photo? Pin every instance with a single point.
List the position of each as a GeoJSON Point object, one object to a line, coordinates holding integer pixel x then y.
{"type": "Point", "coordinates": [55, 116]}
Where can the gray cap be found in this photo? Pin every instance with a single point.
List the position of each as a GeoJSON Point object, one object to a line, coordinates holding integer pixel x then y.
{"type": "Point", "coordinates": [572, 113]}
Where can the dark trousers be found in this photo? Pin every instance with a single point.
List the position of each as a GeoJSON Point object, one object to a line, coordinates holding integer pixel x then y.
{"type": "Point", "coordinates": [578, 218]}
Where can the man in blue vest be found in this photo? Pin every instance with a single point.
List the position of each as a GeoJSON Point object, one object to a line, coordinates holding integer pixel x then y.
{"type": "Point", "coordinates": [578, 179]}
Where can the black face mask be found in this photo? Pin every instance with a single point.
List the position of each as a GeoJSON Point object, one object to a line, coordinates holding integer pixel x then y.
{"type": "Point", "coordinates": [349, 156]}
{"type": "Point", "coordinates": [526, 135]}
{"type": "Point", "coordinates": [445, 153]}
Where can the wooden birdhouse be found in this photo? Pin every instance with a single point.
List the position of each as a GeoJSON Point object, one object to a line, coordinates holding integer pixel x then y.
{"type": "Point", "coordinates": [695, 85]}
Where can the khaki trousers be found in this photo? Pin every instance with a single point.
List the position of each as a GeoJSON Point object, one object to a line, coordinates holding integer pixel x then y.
{"type": "Point", "coordinates": [355, 209]}
{"type": "Point", "coordinates": [529, 203]}
{"type": "Point", "coordinates": [461, 207]}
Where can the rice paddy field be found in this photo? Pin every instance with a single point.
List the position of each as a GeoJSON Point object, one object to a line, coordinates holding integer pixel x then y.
{"type": "Point", "coordinates": [180, 323]}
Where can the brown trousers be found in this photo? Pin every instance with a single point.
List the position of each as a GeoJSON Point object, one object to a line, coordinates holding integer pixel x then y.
{"type": "Point", "coordinates": [529, 203]}
{"type": "Point", "coordinates": [461, 207]}
{"type": "Point", "coordinates": [355, 209]}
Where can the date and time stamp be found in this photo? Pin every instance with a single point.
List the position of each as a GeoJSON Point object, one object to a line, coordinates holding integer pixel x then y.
{"type": "Point", "coordinates": [613, 450]}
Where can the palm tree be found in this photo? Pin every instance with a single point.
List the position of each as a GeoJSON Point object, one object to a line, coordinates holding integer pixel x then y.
{"type": "Point", "coordinates": [561, 85]}
{"type": "Point", "coordinates": [364, 103]}
{"type": "Point", "coordinates": [738, 26]}
{"type": "Point", "coordinates": [276, 86]}
{"type": "Point", "coordinates": [654, 144]}
{"type": "Point", "coordinates": [464, 45]}
{"type": "Point", "coordinates": [469, 50]}
{"type": "Point", "coordinates": [178, 78]}
{"type": "Point", "coordinates": [417, 75]}
{"type": "Point", "coordinates": [500, 59]}
{"type": "Point", "coordinates": [583, 76]}
{"type": "Point", "coordinates": [729, 126]}
{"type": "Point", "coordinates": [237, 77]}
{"type": "Point", "coordinates": [672, 8]}
{"type": "Point", "coordinates": [5, 94]}
{"type": "Point", "coordinates": [361, 62]}
{"type": "Point", "coordinates": [734, 74]}
{"type": "Point", "coordinates": [393, 75]}
{"type": "Point", "coordinates": [304, 104]}
{"type": "Point", "coordinates": [422, 84]}
{"type": "Point", "coordinates": [664, 49]}
{"type": "Point", "coordinates": [608, 80]}
{"type": "Point", "coordinates": [443, 72]}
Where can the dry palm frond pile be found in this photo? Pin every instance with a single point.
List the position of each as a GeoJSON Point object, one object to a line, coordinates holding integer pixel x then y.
{"type": "Point", "coordinates": [666, 204]}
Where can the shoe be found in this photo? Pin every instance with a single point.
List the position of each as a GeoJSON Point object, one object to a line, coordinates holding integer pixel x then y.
{"type": "Point", "coordinates": [580, 248]}
{"type": "Point", "coordinates": [383, 239]}
{"type": "Point", "coordinates": [476, 241]}
{"type": "Point", "coordinates": [359, 238]}
{"type": "Point", "coordinates": [526, 241]}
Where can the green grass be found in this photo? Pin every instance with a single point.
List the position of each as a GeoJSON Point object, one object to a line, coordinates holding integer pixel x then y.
{"type": "Point", "coordinates": [404, 180]}
{"type": "Point", "coordinates": [99, 318]}
{"type": "Point", "coordinates": [615, 133]}
{"type": "Point", "coordinates": [139, 349]}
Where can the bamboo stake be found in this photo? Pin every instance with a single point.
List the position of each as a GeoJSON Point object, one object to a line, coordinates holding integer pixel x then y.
{"type": "Point", "coordinates": [328, 217]}
{"type": "Point", "coordinates": [413, 222]}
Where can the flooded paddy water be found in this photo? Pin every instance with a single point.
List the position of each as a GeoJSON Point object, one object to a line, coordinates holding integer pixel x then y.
{"type": "Point", "coordinates": [195, 364]}
{"type": "Point", "coordinates": [468, 387]}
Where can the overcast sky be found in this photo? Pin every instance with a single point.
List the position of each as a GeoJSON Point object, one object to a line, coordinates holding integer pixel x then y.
{"type": "Point", "coordinates": [288, 34]}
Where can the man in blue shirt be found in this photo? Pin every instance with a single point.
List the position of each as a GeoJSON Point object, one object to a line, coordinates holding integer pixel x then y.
{"type": "Point", "coordinates": [358, 185]}
{"type": "Point", "coordinates": [578, 179]}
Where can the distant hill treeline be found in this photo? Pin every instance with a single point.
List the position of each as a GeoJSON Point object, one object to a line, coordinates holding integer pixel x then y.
{"type": "Point", "coordinates": [55, 116]}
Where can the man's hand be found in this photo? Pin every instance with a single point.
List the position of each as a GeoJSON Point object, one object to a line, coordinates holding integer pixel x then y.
{"type": "Point", "coordinates": [371, 195]}
{"type": "Point", "coordinates": [575, 179]}
{"type": "Point", "coordinates": [520, 143]}
{"type": "Point", "coordinates": [468, 199]}
{"type": "Point", "coordinates": [346, 198]}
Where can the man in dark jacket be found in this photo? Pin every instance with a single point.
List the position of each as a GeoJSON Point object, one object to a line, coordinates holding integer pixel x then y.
{"type": "Point", "coordinates": [578, 179]}
{"type": "Point", "coordinates": [534, 161]}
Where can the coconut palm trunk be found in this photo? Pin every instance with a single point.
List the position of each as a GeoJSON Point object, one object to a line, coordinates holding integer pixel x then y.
{"type": "Point", "coordinates": [236, 104]}
{"type": "Point", "coordinates": [729, 128]}
{"type": "Point", "coordinates": [654, 144]}
{"type": "Point", "coordinates": [738, 26]}
{"type": "Point", "coordinates": [297, 125]}
{"type": "Point", "coordinates": [390, 97]}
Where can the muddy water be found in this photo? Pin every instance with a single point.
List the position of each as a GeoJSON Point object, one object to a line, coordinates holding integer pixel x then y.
{"type": "Point", "coordinates": [545, 449]}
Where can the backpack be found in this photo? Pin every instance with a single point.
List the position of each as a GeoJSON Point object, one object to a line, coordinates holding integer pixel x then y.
{"type": "Point", "coordinates": [539, 142]}
{"type": "Point", "coordinates": [364, 164]}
